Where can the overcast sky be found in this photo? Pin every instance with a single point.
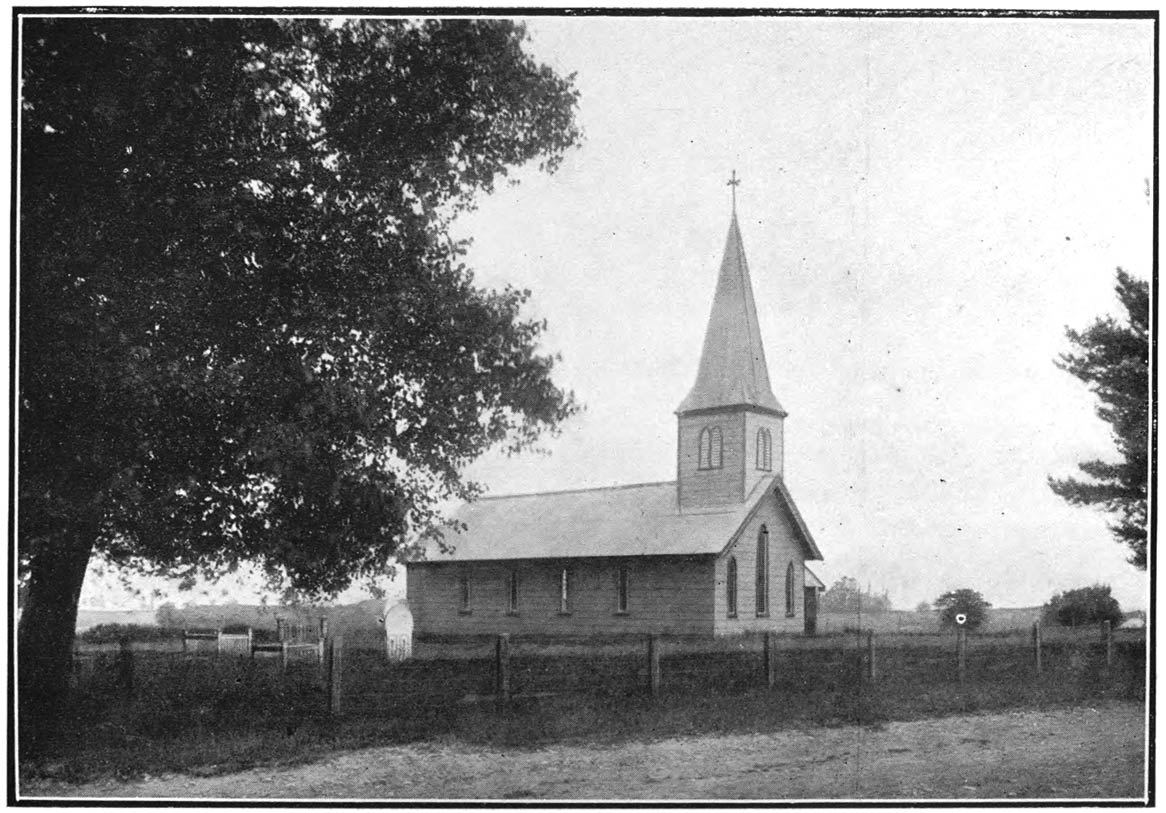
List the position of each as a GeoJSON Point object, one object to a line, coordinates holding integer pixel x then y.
{"type": "Point", "coordinates": [925, 205]}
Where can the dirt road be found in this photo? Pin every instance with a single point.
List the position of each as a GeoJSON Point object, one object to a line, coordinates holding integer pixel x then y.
{"type": "Point", "coordinates": [1088, 753]}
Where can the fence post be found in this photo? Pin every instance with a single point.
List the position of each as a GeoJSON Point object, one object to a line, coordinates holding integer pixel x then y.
{"type": "Point", "coordinates": [320, 653]}
{"type": "Point", "coordinates": [184, 646]}
{"type": "Point", "coordinates": [283, 655]}
{"type": "Point", "coordinates": [654, 664]}
{"type": "Point", "coordinates": [250, 643]}
{"type": "Point", "coordinates": [770, 660]}
{"type": "Point", "coordinates": [218, 642]}
{"type": "Point", "coordinates": [125, 667]}
{"type": "Point", "coordinates": [280, 633]}
{"type": "Point", "coordinates": [872, 671]}
{"type": "Point", "coordinates": [502, 668]}
{"type": "Point", "coordinates": [323, 627]}
{"type": "Point", "coordinates": [1036, 645]}
{"type": "Point", "coordinates": [1107, 639]}
{"type": "Point", "coordinates": [335, 648]}
{"type": "Point", "coordinates": [962, 652]}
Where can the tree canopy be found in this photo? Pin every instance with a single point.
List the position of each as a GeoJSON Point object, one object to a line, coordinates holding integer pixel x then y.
{"type": "Point", "coordinates": [847, 596]}
{"type": "Point", "coordinates": [966, 602]}
{"type": "Point", "coordinates": [1085, 605]}
{"type": "Point", "coordinates": [1113, 359]}
{"type": "Point", "coordinates": [245, 331]}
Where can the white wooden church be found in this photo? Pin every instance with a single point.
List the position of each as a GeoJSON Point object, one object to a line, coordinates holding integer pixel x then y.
{"type": "Point", "coordinates": [720, 550]}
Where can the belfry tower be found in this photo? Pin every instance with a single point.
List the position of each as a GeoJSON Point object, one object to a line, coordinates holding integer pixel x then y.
{"type": "Point", "coordinates": [730, 424]}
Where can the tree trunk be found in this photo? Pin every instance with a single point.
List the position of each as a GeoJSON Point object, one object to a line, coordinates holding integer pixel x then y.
{"type": "Point", "coordinates": [44, 642]}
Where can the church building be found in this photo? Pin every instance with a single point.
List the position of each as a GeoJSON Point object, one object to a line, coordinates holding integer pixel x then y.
{"type": "Point", "coordinates": [721, 550]}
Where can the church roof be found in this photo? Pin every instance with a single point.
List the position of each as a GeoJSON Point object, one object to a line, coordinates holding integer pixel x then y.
{"type": "Point", "coordinates": [634, 520]}
{"type": "Point", "coordinates": [732, 368]}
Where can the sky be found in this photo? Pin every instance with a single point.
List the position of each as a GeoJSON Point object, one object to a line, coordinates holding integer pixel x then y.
{"type": "Point", "coordinates": [925, 206]}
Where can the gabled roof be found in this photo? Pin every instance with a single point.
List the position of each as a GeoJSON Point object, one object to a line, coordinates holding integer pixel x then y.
{"type": "Point", "coordinates": [732, 368]}
{"type": "Point", "coordinates": [635, 520]}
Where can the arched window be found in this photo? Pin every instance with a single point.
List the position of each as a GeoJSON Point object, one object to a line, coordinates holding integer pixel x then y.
{"type": "Point", "coordinates": [731, 586]}
{"type": "Point", "coordinates": [512, 593]}
{"type": "Point", "coordinates": [709, 454]}
{"type": "Point", "coordinates": [564, 591]}
{"type": "Point", "coordinates": [463, 589]}
{"type": "Point", "coordinates": [791, 607]}
{"type": "Point", "coordinates": [764, 450]}
{"type": "Point", "coordinates": [763, 571]}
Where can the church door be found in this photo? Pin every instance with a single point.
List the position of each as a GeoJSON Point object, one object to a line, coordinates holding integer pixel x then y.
{"type": "Point", "coordinates": [811, 611]}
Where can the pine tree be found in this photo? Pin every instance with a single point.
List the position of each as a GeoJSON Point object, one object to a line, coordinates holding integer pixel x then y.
{"type": "Point", "coordinates": [1112, 358]}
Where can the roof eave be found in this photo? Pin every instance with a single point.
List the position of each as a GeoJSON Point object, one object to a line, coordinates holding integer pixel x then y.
{"type": "Point", "coordinates": [683, 411]}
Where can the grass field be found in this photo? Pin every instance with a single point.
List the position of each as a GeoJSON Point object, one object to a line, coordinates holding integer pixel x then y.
{"type": "Point", "coordinates": [206, 715]}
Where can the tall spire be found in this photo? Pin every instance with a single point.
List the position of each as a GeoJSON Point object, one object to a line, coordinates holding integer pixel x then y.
{"type": "Point", "coordinates": [732, 368]}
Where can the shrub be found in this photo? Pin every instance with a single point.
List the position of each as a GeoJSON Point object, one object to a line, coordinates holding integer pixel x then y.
{"type": "Point", "coordinates": [963, 601]}
{"type": "Point", "coordinates": [1085, 605]}
{"type": "Point", "coordinates": [135, 633]}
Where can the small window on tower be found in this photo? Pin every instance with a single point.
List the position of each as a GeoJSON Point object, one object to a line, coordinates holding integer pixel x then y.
{"type": "Point", "coordinates": [764, 451]}
{"type": "Point", "coordinates": [709, 454]}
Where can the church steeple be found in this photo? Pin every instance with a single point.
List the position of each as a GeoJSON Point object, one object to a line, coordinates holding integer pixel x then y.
{"type": "Point", "coordinates": [731, 426]}
{"type": "Point", "coordinates": [732, 368]}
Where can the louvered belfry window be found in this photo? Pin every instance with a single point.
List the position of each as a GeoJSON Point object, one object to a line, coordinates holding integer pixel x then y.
{"type": "Point", "coordinates": [711, 444]}
{"type": "Point", "coordinates": [764, 451]}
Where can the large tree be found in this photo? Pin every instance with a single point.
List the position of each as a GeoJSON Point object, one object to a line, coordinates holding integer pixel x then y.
{"type": "Point", "coordinates": [1113, 358]}
{"type": "Point", "coordinates": [964, 602]}
{"type": "Point", "coordinates": [245, 332]}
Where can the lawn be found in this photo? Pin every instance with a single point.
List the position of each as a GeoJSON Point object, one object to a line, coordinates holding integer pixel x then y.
{"type": "Point", "coordinates": [200, 714]}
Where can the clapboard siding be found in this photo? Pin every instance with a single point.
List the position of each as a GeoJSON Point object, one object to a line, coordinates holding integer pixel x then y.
{"type": "Point", "coordinates": [666, 594]}
{"type": "Point", "coordinates": [784, 548]}
{"type": "Point", "coordinates": [698, 487]}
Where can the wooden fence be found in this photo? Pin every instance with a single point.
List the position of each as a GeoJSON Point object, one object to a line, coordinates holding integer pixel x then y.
{"type": "Point", "coordinates": [501, 669]}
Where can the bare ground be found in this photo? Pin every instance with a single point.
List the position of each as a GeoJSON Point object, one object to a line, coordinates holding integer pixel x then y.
{"type": "Point", "coordinates": [1088, 752]}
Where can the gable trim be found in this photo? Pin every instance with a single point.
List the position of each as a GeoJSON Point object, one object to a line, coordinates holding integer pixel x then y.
{"type": "Point", "coordinates": [779, 490]}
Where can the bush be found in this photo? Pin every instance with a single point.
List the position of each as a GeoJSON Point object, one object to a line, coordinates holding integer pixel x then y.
{"type": "Point", "coordinates": [964, 601]}
{"type": "Point", "coordinates": [1085, 605]}
{"type": "Point", "coordinates": [135, 633]}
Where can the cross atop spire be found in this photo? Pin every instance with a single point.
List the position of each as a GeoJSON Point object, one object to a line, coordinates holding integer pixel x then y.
{"type": "Point", "coordinates": [732, 368]}
{"type": "Point", "coordinates": [734, 182]}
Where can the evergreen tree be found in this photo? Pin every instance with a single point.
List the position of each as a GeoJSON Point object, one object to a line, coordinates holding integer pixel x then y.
{"type": "Point", "coordinates": [1113, 359]}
